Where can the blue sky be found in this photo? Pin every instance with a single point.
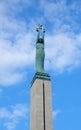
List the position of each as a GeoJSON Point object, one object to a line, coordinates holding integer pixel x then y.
{"type": "Point", "coordinates": [18, 21]}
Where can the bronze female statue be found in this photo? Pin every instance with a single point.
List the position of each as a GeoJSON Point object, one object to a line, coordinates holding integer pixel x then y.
{"type": "Point", "coordinates": [40, 54]}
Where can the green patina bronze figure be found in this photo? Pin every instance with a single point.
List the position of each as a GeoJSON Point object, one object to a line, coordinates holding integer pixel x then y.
{"type": "Point", "coordinates": [40, 54]}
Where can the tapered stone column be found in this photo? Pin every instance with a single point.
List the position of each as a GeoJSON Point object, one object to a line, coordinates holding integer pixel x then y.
{"type": "Point", "coordinates": [41, 103]}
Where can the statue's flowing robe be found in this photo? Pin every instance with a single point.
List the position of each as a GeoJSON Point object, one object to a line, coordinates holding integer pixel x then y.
{"type": "Point", "coordinates": [40, 54]}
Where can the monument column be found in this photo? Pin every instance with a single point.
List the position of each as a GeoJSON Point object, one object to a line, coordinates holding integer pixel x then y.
{"type": "Point", "coordinates": [41, 98]}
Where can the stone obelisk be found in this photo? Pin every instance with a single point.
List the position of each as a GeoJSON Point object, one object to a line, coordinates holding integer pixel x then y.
{"type": "Point", "coordinates": [41, 98]}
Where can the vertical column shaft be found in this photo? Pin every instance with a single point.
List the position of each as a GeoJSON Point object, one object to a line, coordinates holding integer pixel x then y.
{"type": "Point", "coordinates": [41, 105]}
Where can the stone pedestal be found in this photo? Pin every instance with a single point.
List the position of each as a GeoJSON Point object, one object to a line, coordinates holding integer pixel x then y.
{"type": "Point", "coordinates": [41, 103]}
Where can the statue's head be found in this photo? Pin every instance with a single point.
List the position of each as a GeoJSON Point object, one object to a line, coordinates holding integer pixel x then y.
{"type": "Point", "coordinates": [41, 30]}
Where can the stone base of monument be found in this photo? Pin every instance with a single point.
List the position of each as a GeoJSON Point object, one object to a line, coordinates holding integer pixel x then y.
{"type": "Point", "coordinates": [41, 103]}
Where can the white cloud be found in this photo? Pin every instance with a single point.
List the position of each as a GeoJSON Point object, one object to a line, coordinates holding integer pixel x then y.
{"type": "Point", "coordinates": [14, 115]}
{"type": "Point", "coordinates": [56, 113]}
{"type": "Point", "coordinates": [11, 78]}
{"type": "Point", "coordinates": [16, 49]}
{"type": "Point", "coordinates": [14, 58]}
{"type": "Point", "coordinates": [10, 125]}
{"type": "Point", "coordinates": [15, 46]}
{"type": "Point", "coordinates": [20, 110]}
{"type": "Point", "coordinates": [63, 52]}
{"type": "Point", "coordinates": [64, 16]}
{"type": "Point", "coordinates": [15, 6]}
{"type": "Point", "coordinates": [4, 113]}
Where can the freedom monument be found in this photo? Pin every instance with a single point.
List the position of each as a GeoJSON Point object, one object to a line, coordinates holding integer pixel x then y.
{"type": "Point", "coordinates": [41, 98]}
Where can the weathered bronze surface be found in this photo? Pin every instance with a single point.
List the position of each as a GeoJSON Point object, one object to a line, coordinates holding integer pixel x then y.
{"type": "Point", "coordinates": [40, 54]}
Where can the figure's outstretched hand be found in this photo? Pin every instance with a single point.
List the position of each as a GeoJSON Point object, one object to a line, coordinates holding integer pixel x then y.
{"type": "Point", "coordinates": [40, 27]}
